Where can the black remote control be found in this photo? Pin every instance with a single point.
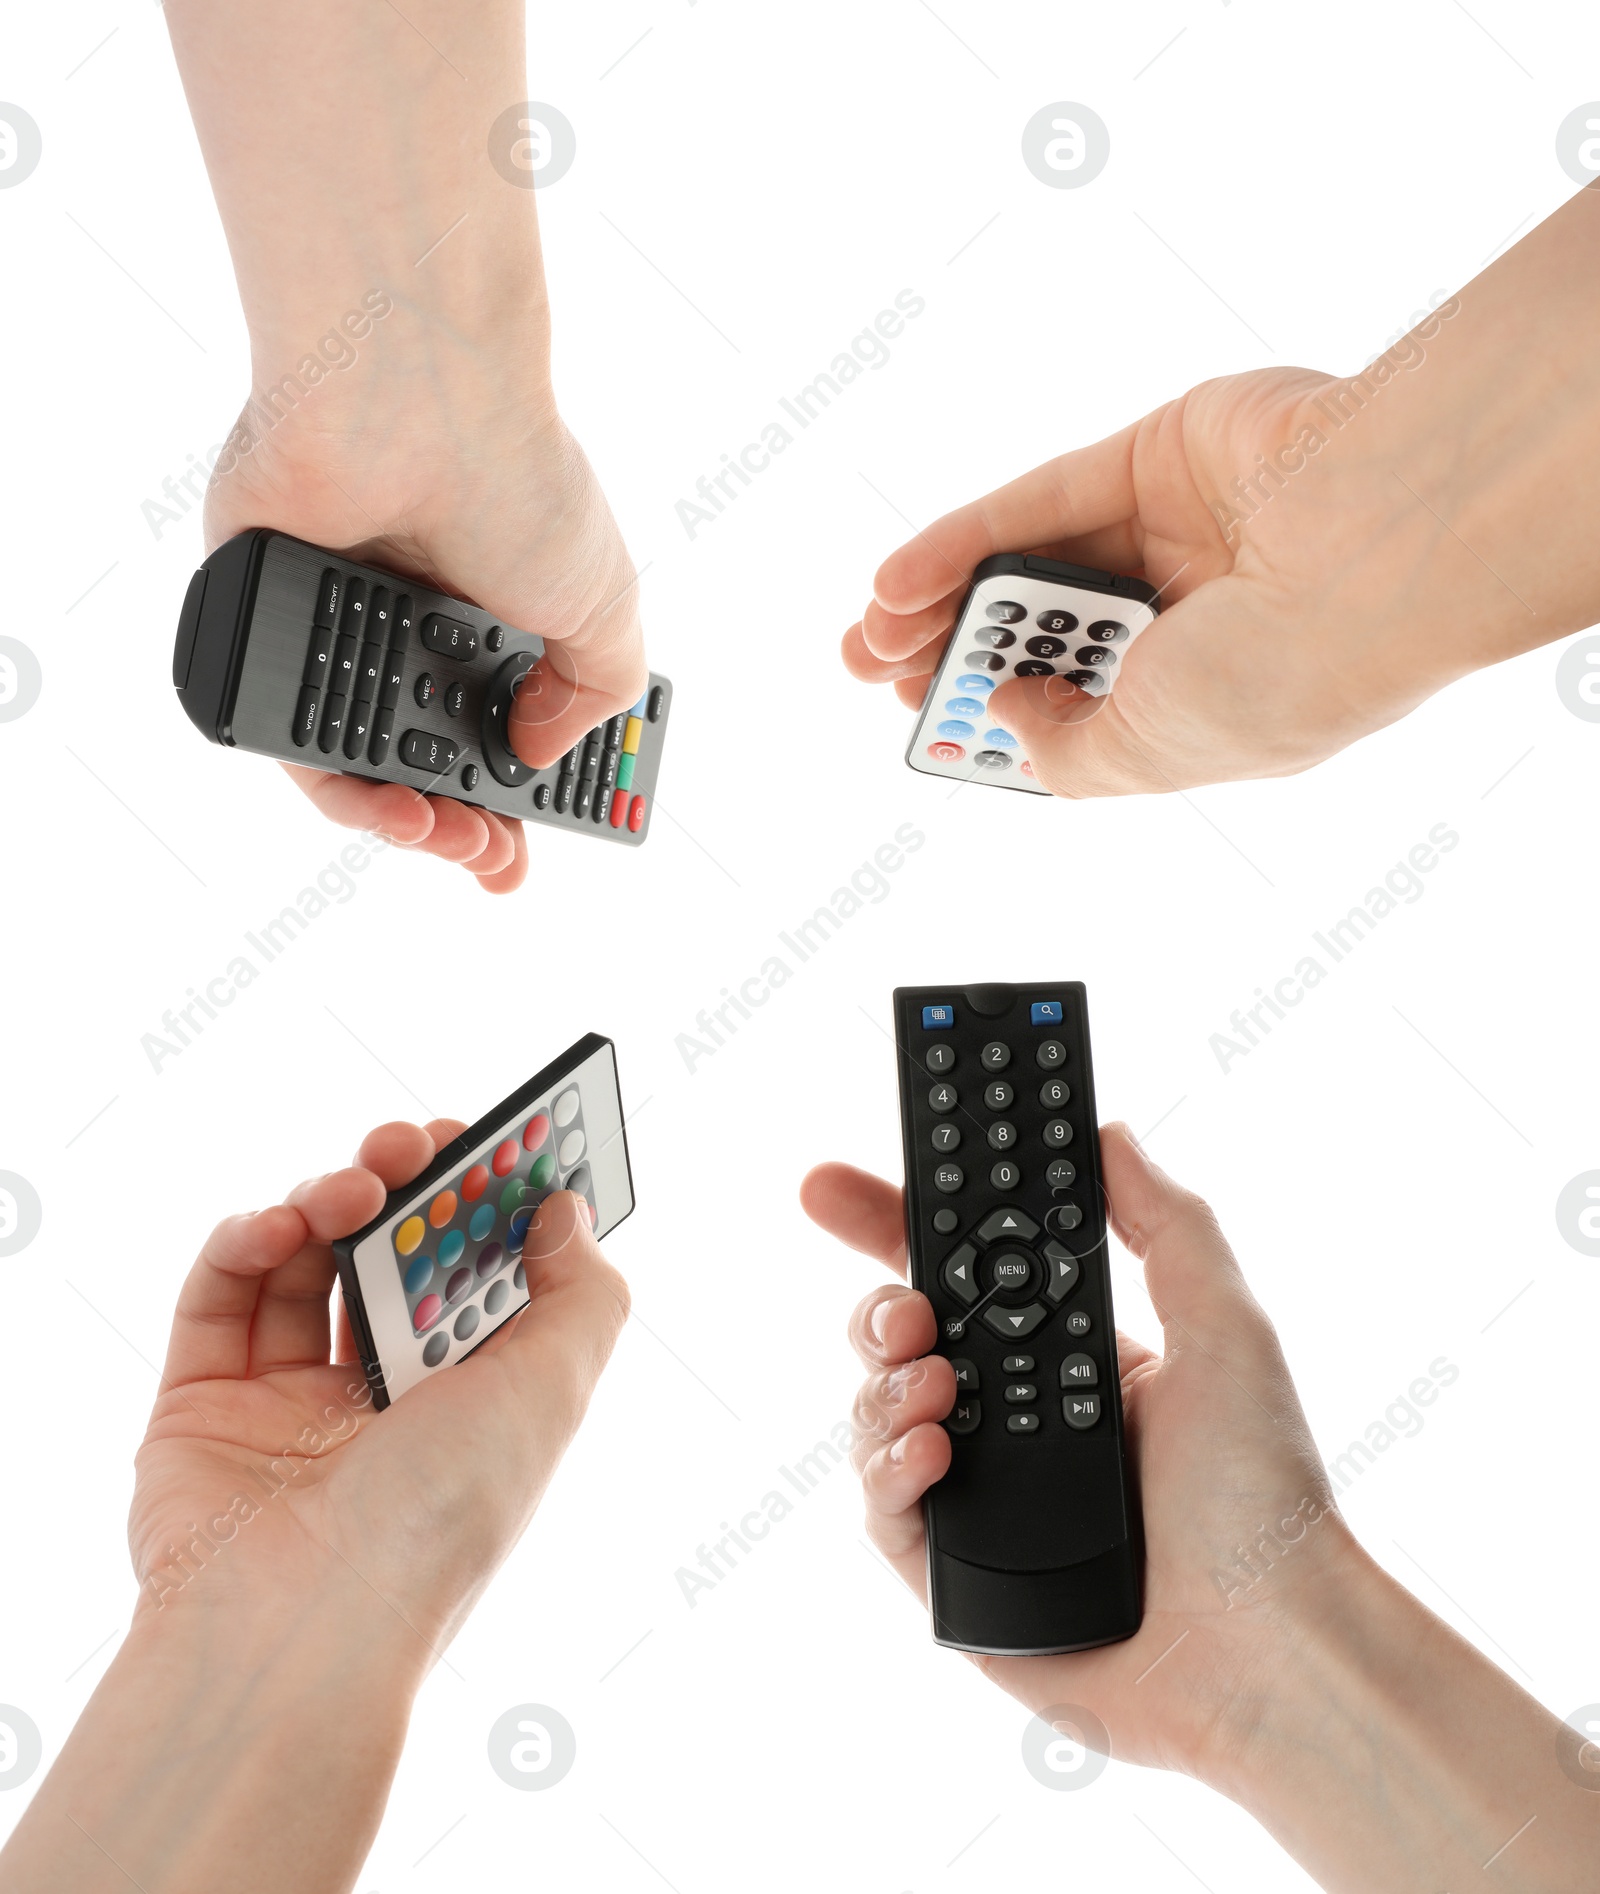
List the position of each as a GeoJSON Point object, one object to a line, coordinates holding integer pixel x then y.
{"type": "Point", "coordinates": [1034, 1539]}
{"type": "Point", "coordinates": [304, 655]}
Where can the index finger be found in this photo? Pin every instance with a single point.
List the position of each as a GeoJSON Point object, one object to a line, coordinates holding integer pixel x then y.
{"type": "Point", "coordinates": [861, 1210]}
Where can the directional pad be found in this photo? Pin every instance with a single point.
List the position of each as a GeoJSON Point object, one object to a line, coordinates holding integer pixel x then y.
{"type": "Point", "coordinates": [1061, 1271]}
{"type": "Point", "coordinates": [507, 767]}
{"type": "Point", "coordinates": [961, 1273]}
{"type": "Point", "coordinates": [1009, 1221]}
{"type": "Point", "coordinates": [1013, 1324]}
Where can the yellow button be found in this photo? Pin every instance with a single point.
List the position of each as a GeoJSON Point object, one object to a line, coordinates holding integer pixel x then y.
{"type": "Point", "coordinates": [630, 736]}
{"type": "Point", "coordinates": [409, 1235]}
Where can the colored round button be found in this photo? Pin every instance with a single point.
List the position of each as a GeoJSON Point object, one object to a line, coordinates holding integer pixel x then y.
{"type": "Point", "coordinates": [987, 660]}
{"type": "Point", "coordinates": [409, 1235]}
{"type": "Point", "coordinates": [490, 1257]}
{"type": "Point", "coordinates": [571, 1148]}
{"type": "Point", "coordinates": [466, 1324]}
{"type": "Point", "coordinates": [451, 1244]}
{"type": "Point", "coordinates": [511, 1197]}
{"type": "Point", "coordinates": [1000, 739]}
{"type": "Point", "coordinates": [517, 1235]}
{"type": "Point", "coordinates": [581, 1180]}
{"type": "Point", "coordinates": [475, 1183]}
{"type": "Point", "coordinates": [955, 727]}
{"type": "Point", "coordinates": [438, 1346]}
{"type": "Point", "coordinates": [535, 1131]}
{"type": "Point", "coordinates": [977, 683]}
{"type": "Point", "coordinates": [417, 1275]}
{"type": "Point", "coordinates": [566, 1109]}
{"type": "Point", "coordinates": [544, 1168]}
{"type": "Point", "coordinates": [1027, 768]}
{"type": "Point", "coordinates": [635, 815]}
{"type": "Point", "coordinates": [520, 1279]}
{"type": "Point", "coordinates": [458, 1285]}
{"type": "Point", "coordinates": [1006, 611]}
{"type": "Point", "coordinates": [442, 1209]}
{"type": "Point", "coordinates": [505, 1158]}
{"type": "Point", "coordinates": [946, 752]}
{"type": "Point", "coordinates": [996, 760]}
{"type": "Point", "coordinates": [964, 707]}
{"type": "Point", "coordinates": [426, 1313]}
{"type": "Point", "coordinates": [499, 1294]}
{"type": "Point", "coordinates": [482, 1222]}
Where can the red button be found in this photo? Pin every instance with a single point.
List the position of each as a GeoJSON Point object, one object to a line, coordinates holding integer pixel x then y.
{"type": "Point", "coordinates": [475, 1182]}
{"type": "Point", "coordinates": [1027, 768]}
{"type": "Point", "coordinates": [505, 1158]}
{"type": "Point", "coordinates": [619, 807]}
{"type": "Point", "coordinates": [946, 752]}
{"type": "Point", "coordinates": [636, 815]}
{"type": "Point", "coordinates": [535, 1131]}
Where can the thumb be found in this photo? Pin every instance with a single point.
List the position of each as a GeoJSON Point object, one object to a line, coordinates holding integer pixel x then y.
{"type": "Point", "coordinates": [1077, 743]}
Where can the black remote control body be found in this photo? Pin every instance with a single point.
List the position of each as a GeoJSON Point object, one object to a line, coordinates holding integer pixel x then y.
{"type": "Point", "coordinates": [310, 657]}
{"type": "Point", "coordinates": [1034, 1538]}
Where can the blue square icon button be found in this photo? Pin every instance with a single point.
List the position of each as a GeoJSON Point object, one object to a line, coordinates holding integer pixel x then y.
{"type": "Point", "coordinates": [940, 1018]}
{"type": "Point", "coordinates": [1047, 1012]}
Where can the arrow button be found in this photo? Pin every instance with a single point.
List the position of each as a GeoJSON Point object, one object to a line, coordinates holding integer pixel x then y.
{"type": "Point", "coordinates": [1009, 1221]}
{"type": "Point", "coordinates": [961, 1274]}
{"type": "Point", "coordinates": [1013, 1324]}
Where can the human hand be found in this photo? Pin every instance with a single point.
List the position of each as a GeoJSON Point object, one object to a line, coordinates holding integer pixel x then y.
{"type": "Point", "coordinates": [264, 1435]}
{"type": "Point", "coordinates": [1220, 1444]}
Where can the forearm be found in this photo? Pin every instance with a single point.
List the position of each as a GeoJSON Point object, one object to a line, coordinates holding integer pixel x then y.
{"type": "Point", "coordinates": [220, 1750]}
{"type": "Point", "coordinates": [1392, 1756]}
{"type": "Point", "coordinates": [343, 143]}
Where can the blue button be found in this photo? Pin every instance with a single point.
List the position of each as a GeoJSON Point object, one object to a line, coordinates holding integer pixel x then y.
{"type": "Point", "coordinates": [641, 707]}
{"type": "Point", "coordinates": [1047, 1012]}
{"type": "Point", "coordinates": [964, 707]}
{"type": "Point", "coordinates": [975, 682]}
{"type": "Point", "coordinates": [938, 1018]}
{"type": "Point", "coordinates": [1000, 739]}
{"type": "Point", "coordinates": [954, 727]}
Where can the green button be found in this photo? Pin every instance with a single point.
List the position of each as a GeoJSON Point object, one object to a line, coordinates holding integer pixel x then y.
{"type": "Point", "coordinates": [511, 1197]}
{"type": "Point", "coordinates": [544, 1168]}
{"type": "Point", "coordinates": [625, 772]}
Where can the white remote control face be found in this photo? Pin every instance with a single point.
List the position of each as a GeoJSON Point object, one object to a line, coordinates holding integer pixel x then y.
{"type": "Point", "coordinates": [1017, 624]}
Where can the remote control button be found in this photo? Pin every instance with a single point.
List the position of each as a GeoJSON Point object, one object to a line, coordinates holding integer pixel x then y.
{"type": "Point", "coordinates": [1095, 654]}
{"type": "Point", "coordinates": [658, 699]}
{"type": "Point", "coordinates": [964, 1417]}
{"type": "Point", "coordinates": [493, 638]}
{"type": "Point", "coordinates": [497, 1298]}
{"type": "Point", "coordinates": [1079, 1371]}
{"type": "Point", "coordinates": [382, 733]}
{"type": "Point", "coordinates": [590, 765]}
{"type": "Point", "coordinates": [1064, 1217]}
{"type": "Point", "coordinates": [379, 613]}
{"type": "Point", "coordinates": [1005, 611]}
{"type": "Point", "coordinates": [475, 1183]}
{"type": "Point", "coordinates": [1107, 631]}
{"type": "Point", "coordinates": [1045, 1013]}
{"type": "Point", "coordinates": [1047, 647]}
{"type": "Point", "coordinates": [1015, 1323]}
{"type": "Point", "coordinates": [426, 1313]}
{"type": "Point", "coordinates": [966, 1376]}
{"type": "Point", "coordinates": [458, 1285]}
{"type": "Point", "coordinates": [636, 812]}
{"type": "Point", "coordinates": [938, 1018]}
{"type": "Point", "coordinates": [400, 626]}
{"type": "Point", "coordinates": [964, 707]}
{"type": "Point", "coordinates": [945, 1137]}
{"type": "Point", "coordinates": [465, 1324]}
{"type": "Point", "coordinates": [985, 660]}
{"type": "Point", "coordinates": [542, 1169]}
{"type": "Point", "coordinates": [318, 657]}
{"type": "Point", "coordinates": [418, 1275]}
{"type": "Point", "coordinates": [999, 1094]}
{"type": "Point", "coordinates": [995, 1056]}
{"type": "Point", "coordinates": [1002, 1135]}
{"type": "Point", "coordinates": [394, 668]}
{"type": "Point", "coordinates": [354, 615]}
{"type": "Point", "coordinates": [425, 690]}
{"type": "Point", "coordinates": [1054, 1093]}
{"type": "Point", "coordinates": [332, 725]}
{"type": "Point", "coordinates": [1080, 1411]}
{"type": "Point", "coordinates": [409, 1235]}
{"type": "Point", "coordinates": [564, 790]}
{"type": "Point", "coordinates": [565, 1109]}
{"type": "Point", "coordinates": [996, 637]}
{"type": "Point", "coordinates": [355, 730]}
{"type": "Point", "coordinates": [995, 760]}
{"type": "Point", "coordinates": [535, 1131]}
{"type": "Point", "coordinates": [942, 1098]}
{"type": "Point", "coordinates": [442, 1209]}
{"type": "Point", "coordinates": [305, 715]}
{"type": "Point", "coordinates": [454, 698]}
{"type": "Point", "coordinates": [1079, 1323]}
{"type": "Point", "coordinates": [610, 762]}
{"type": "Point", "coordinates": [1060, 1272]}
{"type": "Point", "coordinates": [449, 637]}
{"type": "Point", "coordinates": [1018, 1364]}
{"type": "Point", "coordinates": [541, 796]}
{"type": "Point", "coordinates": [632, 732]}
{"type": "Point", "coordinates": [330, 588]}
{"type": "Point", "coordinates": [1013, 1271]}
{"type": "Point", "coordinates": [1062, 1173]}
{"type": "Point", "coordinates": [1001, 739]}
{"type": "Point", "coordinates": [956, 727]}
{"type": "Point", "coordinates": [945, 1222]}
{"type": "Point", "coordinates": [482, 1219]}
{"type": "Point", "coordinates": [570, 1149]}
{"type": "Point", "coordinates": [583, 800]}
{"type": "Point", "coordinates": [960, 1275]}
{"type": "Point", "coordinates": [1056, 621]}
{"type": "Point", "coordinates": [1091, 682]}
{"type": "Point", "coordinates": [418, 750]}
{"type": "Point", "coordinates": [1022, 1423]}
{"type": "Point", "coordinates": [946, 752]}
{"type": "Point", "coordinates": [437, 1348]}
{"type": "Point", "coordinates": [1008, 1222]}
{"type": "Point", "coordinates": [1005, 1175]}
{"type": "Point", "coordinates": [948, 1177]}
{"type": "Point", "coordinates": [625, 768]}
{"type": "Point", "coordinates": [1034, 667]}
{"type": "Point", "coordinates": [1057, 1132]}
{"type": "Point", "coordinates": [610, 733]}
{"type": "Point", "coordinates": [344, 661]}
{"type": "Point", "coordinates": [976, 683]}
{"type": "Point", "coordinates": [1019, 1393]}
{"type": "Point", "coordinates": [1050, 1054]}
{"type": "Point", "coordinates": [369, 671]}
{"type": "Point", "coordinates": [469, 776]}
{"type": "Point", "coordinates": [940, 1058]}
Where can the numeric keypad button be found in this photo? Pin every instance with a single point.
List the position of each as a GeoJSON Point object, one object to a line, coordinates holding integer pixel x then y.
{"type": "Point", "coordinates": [942, 1098]}
{"type": "Point", "coordinates": [1062, 1173]}
{"type": "Point", "coordinates": [1107, 631]}
{"type": "Point", "coordinates": [1057, 621]}
{"type": "Point", "coordinates": [1005, 1175]}
{"type": "Point", "coordinates": [995, 1056]}
{"type": "Point", "coordinates": [945, 1138]}
{"type": "Point", "coordinates": [1002, 1135]}
{"type": "Point", "coordinates": [999, 1095]}
{"type": "Point", "coordinates": [1049, 1054]}
{"type": "Point", "coordinates": [1054, 1093]}
{"type": "Point", "coordinates": [1005, 611]}
{"type": "Point", "coordinates": [939, 1058]}
{"type": "Point", "coordinates": [1047, 647]}
{"type": "Point", "coordinates": [1057, 1132]}
{"type": "Point", "coordinates": [948, 1177]}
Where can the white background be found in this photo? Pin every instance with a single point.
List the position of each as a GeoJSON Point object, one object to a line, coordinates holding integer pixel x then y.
{"type": "Point", "coordinates": [1390, 1187]}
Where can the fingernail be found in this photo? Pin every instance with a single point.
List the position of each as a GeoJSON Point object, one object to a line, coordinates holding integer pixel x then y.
{"type": "Point", "coordinates": [879, 1317]}
{"type": "Point", "coordinates": [897, 1452]}
{"type": "Point", "coordinates": [902, 1381]}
